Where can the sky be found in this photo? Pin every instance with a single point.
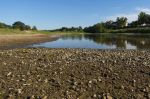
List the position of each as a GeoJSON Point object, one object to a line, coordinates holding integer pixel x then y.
{"type": "Point", "coordinates": [52, 14]}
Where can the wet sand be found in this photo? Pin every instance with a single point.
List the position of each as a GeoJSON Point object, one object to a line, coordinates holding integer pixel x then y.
{"type": "Point", "coordinates": [38, 73]}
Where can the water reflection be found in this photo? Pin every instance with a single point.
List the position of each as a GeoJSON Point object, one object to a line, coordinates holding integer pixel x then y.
{"type": "Point", "coordinates": [121, 41]}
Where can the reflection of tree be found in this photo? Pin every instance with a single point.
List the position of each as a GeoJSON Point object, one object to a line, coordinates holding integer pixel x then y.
{"type": "Point", "coordinates": [72, 37]}
{"type": "Point", "coordinates": [140, 41]}
{"type": "Point", "coordinates": [108, 39]}
{"type": "Point", "coordinates": [119, 40]}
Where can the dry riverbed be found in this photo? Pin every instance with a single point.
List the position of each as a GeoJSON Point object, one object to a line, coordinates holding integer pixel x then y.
{"type": "Point", "coordinates": [74, 73]}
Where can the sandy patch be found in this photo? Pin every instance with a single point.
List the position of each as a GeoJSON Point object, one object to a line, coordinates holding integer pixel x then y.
{"type": "Point", "coordinates": [19, 39]}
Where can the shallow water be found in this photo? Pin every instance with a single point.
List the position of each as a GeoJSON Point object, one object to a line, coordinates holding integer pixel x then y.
{"type": "Point", "coordinates": [99, 41]}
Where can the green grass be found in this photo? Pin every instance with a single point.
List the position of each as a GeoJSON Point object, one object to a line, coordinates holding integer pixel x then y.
{"type": "Point", "coordinates": [14, 32]}
{"type": "Point", "coordinates": [59, 32]}
{"type": "Point", "coordinates": [132, 30]}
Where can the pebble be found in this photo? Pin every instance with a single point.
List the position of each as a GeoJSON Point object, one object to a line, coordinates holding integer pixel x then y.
{"type": "Point", "coordinates": [45, 97]}
{"type": "Point", "coordinates": [99, 79]}
{"type": "Point", "coordinates": [88, 73]}
{"type": "Point", "coordinates": [90, 82]}
{"type": "Point", "coordinates": [4, 63]}
{"type": "Point", "coordinates": [122, 87]}
{"type": "Point", "coordinates": [9, 73]}
{"type": "Point", "coordinates": [108, 96]}
{"type": "Point", "coordinates": [19, 91]}
{"type": "Point", "coordinates": [134, 83]}
{"type": "Point", "coordinates": [94, 96]}
{"type": "Point", "coordinates": [46, 80]}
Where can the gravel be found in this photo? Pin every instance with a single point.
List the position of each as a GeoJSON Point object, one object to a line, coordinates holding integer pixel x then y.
{"type": "Point", "coordinates": [40, 73]}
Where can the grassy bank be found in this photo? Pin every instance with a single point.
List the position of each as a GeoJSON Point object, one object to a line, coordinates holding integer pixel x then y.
{"type": "Point", "coordinates": [131, 30]}
{"type": "Point", "coordinates": [46, 32]}
{"type": "Point", "coordinates": [10, 38]}
{"type": "Point", "coordinates": [14, 31]}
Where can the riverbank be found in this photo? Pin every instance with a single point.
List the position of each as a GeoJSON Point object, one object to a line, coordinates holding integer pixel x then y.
{"type": "Point", "coordinates": [132, 30]}
{"type": "Point", "coordinates": [13, 38]}
{"type": "Point", "coordinates": [74, 73]}
{"type": "Point", "coordinates": [20, 40]}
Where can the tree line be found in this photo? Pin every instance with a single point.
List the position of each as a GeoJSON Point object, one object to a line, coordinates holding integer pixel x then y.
{"type": "Point", "coordinates": [18, 25]}
{"type": "Point", "coordinates": [66, 29]}
{"type": "Point", "coordinates": [102, 27]}
{"type": "Point", "coordinates": [120, 23]}
{"type": "Point", "coordinates": [109, 26]}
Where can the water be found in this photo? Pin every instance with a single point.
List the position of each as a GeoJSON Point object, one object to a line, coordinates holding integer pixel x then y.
{"type": "Point", "coordinates": [99, 41]}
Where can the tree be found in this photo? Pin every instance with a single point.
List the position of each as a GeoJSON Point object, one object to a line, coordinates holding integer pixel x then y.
{"type": "Point", "coordinates": [80, 29]}
{"type": "Point", "coordinates": [19, 25]}
{"type": "Point", "coordinates": [34, 28]}
{"type": "Point", "coordinates": [27, 27]}
{"type": "Point", "coordinates": [3, 25]}
{"type": "Point", "coordinates": [143, 18]}
{"type": "Point", "coordinates": [109, 24]}
{"type": "Point", "coordinates": [121, 22]}
{"type": "Point", "coordinates": [97, 28]}
{"type": "Point", "coordinates": [133, 24]}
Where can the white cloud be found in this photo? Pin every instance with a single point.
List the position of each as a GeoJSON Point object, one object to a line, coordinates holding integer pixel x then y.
{"type": "Point", "coordinates": [147, 10]}
{"type": "Point", "coordinates": [131, 16]}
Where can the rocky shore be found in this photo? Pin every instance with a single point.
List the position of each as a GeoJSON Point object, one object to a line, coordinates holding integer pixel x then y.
{"type": "Point", "coordinates": [74, 74]}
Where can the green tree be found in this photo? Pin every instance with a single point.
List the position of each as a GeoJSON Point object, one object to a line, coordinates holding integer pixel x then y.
{"type": "Point", "coordinates": [121, 22]}
{"type": "Point", "coordinates": [34, 28]}
{"type": "Point", "coordinates": [97, 28]}
{"type": "Point", "coordinates": [3, 25]}
{"type": "Point", "coordinates": [80, 29]}
{"type": "Point", "coordinates": [133, 24]}
{"type": "Point", "coordinates": [19, 25]}
{"type": "Point", "coordinates": [109, 24]}
{"type": "Point", "coordinates": [143, 18]}
{"type": "Point", "coordinates": [27, 27]}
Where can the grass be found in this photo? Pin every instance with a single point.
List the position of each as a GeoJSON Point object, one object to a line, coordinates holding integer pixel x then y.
{"type": "Point", "coordinates": [12, 31]}
{"type": "Point", "coordinates": [15, 32]}
{"type": "Point", "coordinates": [132, 30]}
{"type": "Point", "coordinates": [59, 32]}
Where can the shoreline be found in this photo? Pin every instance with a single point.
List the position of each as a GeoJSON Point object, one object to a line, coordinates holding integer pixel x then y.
{"type": "Point", "coordinates": [74, 73]}
{"type": "Point", "coordinates": [20, 40]}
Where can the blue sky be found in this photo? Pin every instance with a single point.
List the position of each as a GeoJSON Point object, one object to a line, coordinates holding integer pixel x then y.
{"type": "Point", "coordinates": [51, 14]}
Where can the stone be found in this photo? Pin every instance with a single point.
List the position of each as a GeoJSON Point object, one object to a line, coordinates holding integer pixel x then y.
{"type": "Point", "coordinates": [45, 97]}
{"type": "Point", "coordinates": [108, 96]}
{"type": "Point", "coordinates": [95, 81]}
{"type": "Point", "coordinates": [46, 81]}
{"type": "Point", "coordinates": [122, 87]}
{"type": "Point", "coordinates": [94, 96]}
{"type": "Point", "coordinates": [90, 82]}
{"type": "Point", "coordinates": [9, 73]}
{"type": "Point", "coordinates": [99, 79]}
{"type": "Point", "coordinates": [19, 91]}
